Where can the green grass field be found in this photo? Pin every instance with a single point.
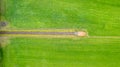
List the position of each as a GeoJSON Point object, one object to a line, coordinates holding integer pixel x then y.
{"type": "Point", "coordinates": [98, 17]}
{"type": "Point", "coordinates": [92, 15]}
{"type": "Point", "coordinates": [35, 52]}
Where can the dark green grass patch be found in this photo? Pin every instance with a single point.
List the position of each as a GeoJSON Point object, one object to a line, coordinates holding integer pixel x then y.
{"type": "Point", "coordinates": [1, 56]}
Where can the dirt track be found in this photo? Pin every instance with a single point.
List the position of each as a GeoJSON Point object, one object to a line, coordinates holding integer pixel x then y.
{"type": "Point", "coordinates": [24, 33]}
{"type": "Point", "coordinates": [36, 33]}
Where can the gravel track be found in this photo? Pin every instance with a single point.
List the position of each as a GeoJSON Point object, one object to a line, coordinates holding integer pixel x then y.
{"type": "Point", "coordinates": [49, 33]}
{"type": "Point", "coordinates": [37, 33]}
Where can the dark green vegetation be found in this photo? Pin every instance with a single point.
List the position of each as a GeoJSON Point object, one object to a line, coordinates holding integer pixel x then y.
{"type": "Point", "coordinates": [1, 55]}
{"type": "Point", "coordinates": [98, 17]}
{"type": "Point", "coordinates": [35, 52]}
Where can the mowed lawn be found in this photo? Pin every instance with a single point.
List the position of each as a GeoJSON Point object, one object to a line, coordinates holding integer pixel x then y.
{"type": "Point", "coordinates": [76, 52]}
{"type": "Point", "coordinates": [98, 17]}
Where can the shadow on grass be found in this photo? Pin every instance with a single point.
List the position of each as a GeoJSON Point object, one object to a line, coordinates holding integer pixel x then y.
{"type": "Point", "coordinates": [1, 56]}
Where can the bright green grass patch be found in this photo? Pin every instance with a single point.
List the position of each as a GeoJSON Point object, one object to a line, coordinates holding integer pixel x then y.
{"type": "Point", "coordinates": [34, 52]}
{"type": "Point", "coordinates": [98, 17]}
